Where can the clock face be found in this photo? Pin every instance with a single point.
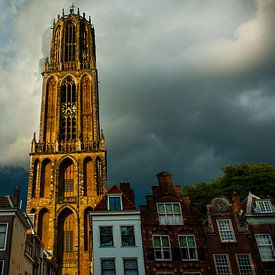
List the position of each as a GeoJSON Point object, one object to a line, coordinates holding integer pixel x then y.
{"type": "Point", "coordinates": [68, 109]}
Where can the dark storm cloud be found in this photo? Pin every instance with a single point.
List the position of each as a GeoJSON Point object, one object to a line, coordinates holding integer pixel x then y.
{"type": "Point", "coordinates": [185, 86]}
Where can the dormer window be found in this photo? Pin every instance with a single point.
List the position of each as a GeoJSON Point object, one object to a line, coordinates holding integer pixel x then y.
{"type": "Point", "coordinates": [114, 203]}
{"type": "Point", "coordinates": [169, 213]}
{"type": "Point", "coordinates": [265, 206]}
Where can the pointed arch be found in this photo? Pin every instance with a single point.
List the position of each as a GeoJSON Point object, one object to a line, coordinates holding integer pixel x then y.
{"type": "Point", "coordinates": [50, 109]}
{"type": "Point", "coordinates": [87, 228]}
{"type": "Point", "coordinates": [57, 46]}
{"type": "Point", "coordinates": [34, 177]}
{"type": "Point", "coordinates": [43, 226]}
{"type": "Point", "coordinates": [99, 176]}
{"type": "Point", "coordinates": [70, 42]}
{"type": "Point", "coordinates": [88, 176]}
{"type": "Point", "coordinates": [45, 183]}
{"type": "Point", "coordinates": [66, 236]}
{"type": "Point", "coordinates": [67, 178]}
{"type": "Point", "coordinates": [68, 107]}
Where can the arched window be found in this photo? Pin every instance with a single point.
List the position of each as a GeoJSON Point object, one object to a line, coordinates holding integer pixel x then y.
{"type": "Point", "coordinates": [68, 110]}
{"type": "Point", "coordinates": [34, 178]}
{"type": "Point", "coordinates": [98, 175]}
{"type": "Point", "coordinates": [65, 237]}
{"type": "Point", "coordinates": [43, 226]}
{"type": "Point", "coordinates": [88, 177]}
{"type": "Point", "coordinates": [57, 46]}
{"type": "Point", "coordinates": [87, 228]}
{"type": "Point", "coordinates": [84, 47]}
{"type": "Point", "coordinates": [66, 178]}
{"type": "Point", "coordinates": [45, 184]}
{"type": "Point", "coordinates": [70, 43]}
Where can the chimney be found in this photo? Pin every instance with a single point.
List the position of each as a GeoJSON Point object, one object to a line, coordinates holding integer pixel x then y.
{"type": "Point", "coordinates": [236, 204]}
{"type": "Point", "coordinates": [16, 196]}
{"type": "Point", "coordinates": [165, 180]}
{"type": "Point", "coordinates": [127, 190]}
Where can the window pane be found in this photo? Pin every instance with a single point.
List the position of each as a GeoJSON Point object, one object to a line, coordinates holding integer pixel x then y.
{"type": "Point", "coordinates": [108, 266]}
{"type": "Point", "coordinates": [130, 267]}
{"type": "Point", "coordinates": [127, 235]}
{"type": "Point", "coordinates": [191, 241]}
{"type": "Point", "coordinates": [157, 241]}
{"type": "Point", "coordinates": [106, 236]}
{"type": "Point", "coordinates": [114, 203]}
{"type": "Point", "coordinates": [182, 241]}
{"type": "Point", "coordinates": [161, 208]}
{"type": "Point", "coordinates": [168, 207]}
{"type": "Point", "coordinates": [176, 208]}
{"type": "Point", "coordinates": [165, 241]}
{"type": "Point", "coordinates": [3, 229]}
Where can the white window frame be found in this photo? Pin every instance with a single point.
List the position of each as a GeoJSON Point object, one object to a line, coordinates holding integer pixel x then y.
{"type": "Point", "coordinates": [247, 266]}
{"type": "Point", "coordinates": [227, 260]}
{"type": "Point", "coordinates": [114, 196]}
{"type": "Point", "coordinates": [6, 236]}
{"type": "Point", "coordinates": [188, 248]}
{"type": "Point", "coordinates": [3, 264]}
{"type": "Point", "coordinates": [231, 229]}
{"type": "Point", "coordinates": [265, 206]}
{"type": "Point", "coordinates": [107, 258]}
{"type": "Point", "coordinates": [161, 248]}
{"type": "Point", "coordinates": [173, 214]}
{"type": "Point", "coordinates": [265, 245]}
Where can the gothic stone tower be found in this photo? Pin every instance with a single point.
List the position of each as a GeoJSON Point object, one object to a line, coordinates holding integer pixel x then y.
{"type": "Point", "coordinates": [68, 162]}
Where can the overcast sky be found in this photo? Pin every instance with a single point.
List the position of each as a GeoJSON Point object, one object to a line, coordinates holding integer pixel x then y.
{"type": "Point", "coordinates": [186, 86]}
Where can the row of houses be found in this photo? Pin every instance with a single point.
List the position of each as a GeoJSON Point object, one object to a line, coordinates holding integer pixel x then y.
{"type": "Point", "coordinates": [166, 236]}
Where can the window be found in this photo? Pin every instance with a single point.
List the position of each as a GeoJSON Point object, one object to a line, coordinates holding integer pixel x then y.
{"type": "Point", "coordinates": [68, 241]}
{"type": "Point", "coordinates": [226, 230]}
{"type": "Point", "coordinates": [108, 267]}
{"type": "Point", "coordinates": [106, 236]}
{"type": "Point", "coordinates": [222, 264]}
{"type": "Point", "coordinates": [130, 267]}
{"type": "Point", "coordinates": [245, 264]}
{"type": "Point", "coordinates": [3, 235]}
{"type": "Point", "coordinates": [269, 272]}
{"type": "Point", "coordinates": [2, 267]}
{"type": "Point", "coordinates": [127, 235]}
{"type": "Point", "coordinates": [68, 185]}
{"type": "Point", "coordinates": [162, 249]}
{"type": "Point", "coordinates": [114, 203]}
{"type": "Point", "coordinates": [265, 206]}
{"type": "Point", "coordinates": [265, 247]}
{"type": "Point", "coordinates": [192, 273]}
{"type": "Point", "coordinates": [169, 213]}
{"type": "Point", "coordinates": [187, 244]}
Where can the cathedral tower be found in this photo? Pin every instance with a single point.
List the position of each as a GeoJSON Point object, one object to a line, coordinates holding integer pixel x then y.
{"type": "Point", "coordinates": [68, 161]}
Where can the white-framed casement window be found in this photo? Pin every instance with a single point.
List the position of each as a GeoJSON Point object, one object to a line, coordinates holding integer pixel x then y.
{"type": "Point", "coordinates": [265, 206]}
{"type": "Point", "coordinates": [114, 202]}
{"type": "Point", "coordinates": [245, 264]}
{"type": "Point", "coordinates": [2, 267]}
{"type": "Point", "coordinates": [130, 266]}
{"type": "Point", "coordinates": [3, 236]}
{"type": "Point", "coordinates": [108, 266]}
{"type": "Point", "coordinates": [226, 230]}
{"type": "Point", "coordinates": [192, 273]}
{"type": "Point", "coordinates": [169, 213]}
{"type": "Point", "coordinates": [162, 249]}
{"type": "Point", "coordinates": [265, 246]}
{"type": "Point", "coordinates": [222, 264]}
{"type": "Point", "coordinates": [188, 248]}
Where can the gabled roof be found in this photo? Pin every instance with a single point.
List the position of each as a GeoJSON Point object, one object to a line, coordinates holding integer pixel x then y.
{"type": "Point", "coordinates": [6, 202]}
{"type": "Point", "coordinates": [126, 203]}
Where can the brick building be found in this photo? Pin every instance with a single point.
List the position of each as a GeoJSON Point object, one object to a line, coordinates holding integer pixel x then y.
{"type": "Point", "coordinates": [229, 239]}
{"type": "Point", "coordinates": [260, 216]}
{"type": "Point", "coordinates": [172, 232]}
